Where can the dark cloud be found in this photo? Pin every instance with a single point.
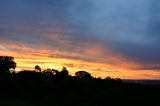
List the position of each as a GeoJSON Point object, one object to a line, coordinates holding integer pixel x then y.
{"type": "Point", "coordinates": [82, 58]}
{"type": "Point", "coordinates": [149, 68]}
{"type": "Point", "coordinates": [134, 33]}
{"type": "Point", "coordinates": [129, 28]}
{"type": "Point", "coordinates": [69, 64]}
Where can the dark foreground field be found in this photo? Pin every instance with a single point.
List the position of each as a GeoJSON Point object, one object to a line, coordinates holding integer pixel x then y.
{"type": "Point", "coordinates": [37, 89]}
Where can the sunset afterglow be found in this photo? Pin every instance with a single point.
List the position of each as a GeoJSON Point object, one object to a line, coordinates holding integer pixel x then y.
{"type": "Point", "coordinates": [103, 37]}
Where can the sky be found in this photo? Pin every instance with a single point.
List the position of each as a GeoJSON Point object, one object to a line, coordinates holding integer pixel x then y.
{"type": "Point", "coordinates": [116, 38]}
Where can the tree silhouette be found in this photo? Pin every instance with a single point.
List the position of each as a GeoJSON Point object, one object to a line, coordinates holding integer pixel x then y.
{"type": "Point", "coordinates": [83, 74]}
{"type": "Point", "coordinates": [55, 72]}
{"type": "Point", "coordinates": [7, 63]}
{"type": "Point", "coordinates": [37, 67]}
{"type": "Point", "coordinates": [64, 72]}
{"type": "Point", "coordinates": [48, 72]}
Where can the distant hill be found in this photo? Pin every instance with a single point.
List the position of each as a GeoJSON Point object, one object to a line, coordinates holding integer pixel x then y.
{"type": "Point", "coordinates": [146, 82]}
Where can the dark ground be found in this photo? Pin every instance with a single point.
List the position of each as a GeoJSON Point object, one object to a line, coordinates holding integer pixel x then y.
{"type": "Point", "coordinates": [37, 89]}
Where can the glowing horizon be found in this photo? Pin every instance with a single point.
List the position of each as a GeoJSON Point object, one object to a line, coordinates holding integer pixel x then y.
{"type": "Point", "coordinates": [105, 37]}
{"type": "Point", "coordinates": [124, 70]}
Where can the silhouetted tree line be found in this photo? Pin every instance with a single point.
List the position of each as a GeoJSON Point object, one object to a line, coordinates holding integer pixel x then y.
{"type": "Point", "coordinates": [7, 63]}
{"type": "Point", "coordinates": [53, 87]}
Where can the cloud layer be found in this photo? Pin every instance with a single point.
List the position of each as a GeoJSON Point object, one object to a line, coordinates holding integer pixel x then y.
{"type": "Point", "coordinates": [113, 36]}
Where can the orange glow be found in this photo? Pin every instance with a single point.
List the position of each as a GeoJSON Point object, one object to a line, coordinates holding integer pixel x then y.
{"type": "Point", "coordinates": [94, 60]}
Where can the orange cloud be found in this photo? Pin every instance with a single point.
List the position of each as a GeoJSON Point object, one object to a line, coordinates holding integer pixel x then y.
{"type": "Point", "coordinates": [93, 58]}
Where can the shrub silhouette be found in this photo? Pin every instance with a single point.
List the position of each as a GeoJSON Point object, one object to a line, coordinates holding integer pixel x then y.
{"type": "Point", "coordinates": [7, 63]}
{"type": "Point", "coordinates": [64, 72]}
{"type": "Point", "coordinates": [48, 72]}
{"type": "Point", "coordinates": [55, 72]}
{"type": "Point", "coordinates": [83, 74]}
{"type": "Point", "coordinates": [37, 68]}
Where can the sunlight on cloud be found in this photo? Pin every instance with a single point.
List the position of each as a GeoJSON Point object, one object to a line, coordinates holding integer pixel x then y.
{"type": "Point", "coordinates": [108, 64]}
{"type": "Point", "coordinates": [3, 47]}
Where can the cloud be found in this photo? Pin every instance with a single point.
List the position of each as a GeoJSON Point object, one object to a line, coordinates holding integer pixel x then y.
{"type": "Point", "coordinates": [105, 32]}
{"type": "Point", "coordinates": [157, 68]}
{"type": "Point", "coordinates": [132, 32]}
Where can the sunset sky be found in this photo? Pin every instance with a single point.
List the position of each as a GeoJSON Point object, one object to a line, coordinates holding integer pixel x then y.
{"type": "Point", "coordinates": [116, 38]}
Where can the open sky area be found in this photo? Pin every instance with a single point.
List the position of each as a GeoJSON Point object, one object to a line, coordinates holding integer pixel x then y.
{"type": "Point", "coordinates": [116, 38]}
